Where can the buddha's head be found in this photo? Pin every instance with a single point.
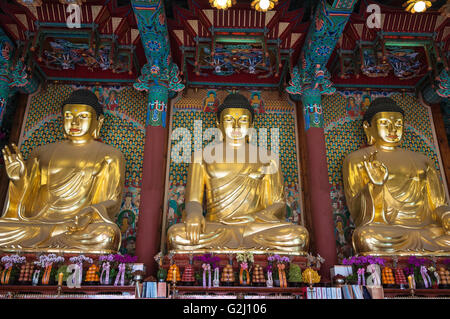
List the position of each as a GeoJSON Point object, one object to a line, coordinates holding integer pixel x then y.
{"type": "Point", "coordinates": [82, 116]}
{"type": "Point", "coordinates": [235, 117]}
{"type": "Point", "coordinates": [383, 123]}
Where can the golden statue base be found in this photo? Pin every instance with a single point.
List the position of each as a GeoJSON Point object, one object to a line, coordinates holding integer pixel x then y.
{"type": "Point", "coordinates": [407, 254]}
{"type": "Point", "coordinates": [58, 251]}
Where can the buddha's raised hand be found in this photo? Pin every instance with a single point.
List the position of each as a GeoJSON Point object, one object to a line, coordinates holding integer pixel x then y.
{"type": "Point", "coordinates": [14, 163]}
{"type": "Point", "coordinates": [377, 171]}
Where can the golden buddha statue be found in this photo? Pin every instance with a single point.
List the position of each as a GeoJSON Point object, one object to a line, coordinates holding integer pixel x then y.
{"type": "Point", "coordinates": [395, 196]}
{"type": "Point", "coordinates": [65, 197]}
{"type": "Point", "coordinates": [245, 204]}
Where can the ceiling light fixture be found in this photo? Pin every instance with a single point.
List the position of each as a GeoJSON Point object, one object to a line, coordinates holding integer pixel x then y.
{"type": "Point", "coordinates": [264, 5]}
{"type": "Point", "coordinates": [222, 4]}
{"type": "Point", "coordinates": [414, 6]}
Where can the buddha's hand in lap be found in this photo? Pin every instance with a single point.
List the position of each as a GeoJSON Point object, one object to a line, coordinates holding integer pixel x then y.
{"type": "Point", "coordinates": [443, 213]}
{"type": "Point", "coordinates": [268, 215]}
{"type": "Point", "coordinates": [195, 225]}
{"type": "Point", "coordinates": [376, 171]}
{"type": "Point", "coordinates": [14, 163]}
{"type": "Point", "coordinates": [82, 220]}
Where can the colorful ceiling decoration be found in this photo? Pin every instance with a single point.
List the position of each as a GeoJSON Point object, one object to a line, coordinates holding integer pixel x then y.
{"type": "Point", "coordinates": [403, 51]}
{"type": "Point", "coordinates": [403, 63]}
{"type": "Point", "coordinates": [62, 54]}
{"type": "Point", "coordinates": [238, 47]}
{"type": "Point", "coordinates": [311, 72]}
{"type": "Point", "coordinates": [30, 3]}
{"type": "Point", "coordinates": [160, 75]}
{"type": "Point", "coordinates": [107, 40]}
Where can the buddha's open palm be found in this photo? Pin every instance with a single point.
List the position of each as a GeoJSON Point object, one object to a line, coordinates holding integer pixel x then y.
{"type": "Point", "coordinates": [14, 162]}
{"type": "Point", "coordinates": [377, 171]}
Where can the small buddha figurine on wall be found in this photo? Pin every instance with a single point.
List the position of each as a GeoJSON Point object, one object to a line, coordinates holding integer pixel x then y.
{"type": "Point", "coordinates": [395, 196]}
{"type": "Point", "coordinates": [245, 204]}
{"type": "Point", "coordinates": [65, 196]}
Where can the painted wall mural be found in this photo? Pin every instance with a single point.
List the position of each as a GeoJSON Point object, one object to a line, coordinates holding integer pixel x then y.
{"type": "Point", "coordinates": [342, 113]}
{"type": "Point", "coordinates": [123, 128]}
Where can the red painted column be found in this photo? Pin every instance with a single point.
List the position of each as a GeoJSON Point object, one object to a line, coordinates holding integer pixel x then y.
{"type": "Point", "coordinates": [321, 209]}
{"type": "Point", "coordinates": [318, 183]}
{"type": "Point", "coordinates": [152, 195]}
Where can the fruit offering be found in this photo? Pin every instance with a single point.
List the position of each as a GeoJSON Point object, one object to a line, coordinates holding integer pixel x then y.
{"type": "Point", "coordinates": [173, 270]}
{"type": "Point", "coordinates": [444, 276]}
{"type": "Point", "coordinates": [26, 273]}
{"type": "Point", "coordinates": [387, 276]}
{"type": "Point", "coordinates": [188, 275]}
{"type": "Point", "coordinates": [400, 278]}
{"type": "Point", "coordinates": [227, 275]}
{"type": "Point", "coordinates": [92, 274]}
{"type": "Point", "coordinates": [258, 275]}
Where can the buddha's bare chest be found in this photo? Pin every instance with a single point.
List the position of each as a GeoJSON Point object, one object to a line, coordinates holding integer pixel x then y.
{"type": "Point", "coordinates": [64, 160]}
{"type": "Point", "coordinates": [403, 166]}
{"type": "Point", "coordinates": [218, 171]}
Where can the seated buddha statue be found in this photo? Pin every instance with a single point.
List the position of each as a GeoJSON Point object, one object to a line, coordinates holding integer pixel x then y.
{"type": "Point", "coordinates": [65, 196]}
{"type": "Point", "coordinates": [395, 196]}
{"type": "Point", "coordinates": [245, 204]}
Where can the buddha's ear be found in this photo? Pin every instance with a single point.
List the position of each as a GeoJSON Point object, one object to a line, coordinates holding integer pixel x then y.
{"type": "Point", "coordinates": [96, 132]}
{"type": "Point", "coordinates": [368, 130]}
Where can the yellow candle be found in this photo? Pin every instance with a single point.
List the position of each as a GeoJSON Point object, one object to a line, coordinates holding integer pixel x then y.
{"type": "Point", "coordinates": [60, 278]}
{"type": "Point", "coordinates": [410, 282]}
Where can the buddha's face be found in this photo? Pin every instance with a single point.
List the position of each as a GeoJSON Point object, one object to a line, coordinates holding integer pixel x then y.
{"type": "Point", "coordinates": [80, 121]}
{"type": "Point", "coordinates": [386, 129]}
{"type": "Point", "coordinates": [235, 123]}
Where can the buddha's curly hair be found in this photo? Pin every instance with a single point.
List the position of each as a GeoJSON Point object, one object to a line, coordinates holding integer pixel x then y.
{"type": "Point", "coordinates": [84, 96]}
{"type": "Point", "coordinates": [235, 100]}
{"type": "Point", "coordinates": [381, 104]}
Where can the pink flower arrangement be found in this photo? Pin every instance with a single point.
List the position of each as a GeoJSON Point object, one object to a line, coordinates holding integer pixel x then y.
{"type": "Point", "coordinates": [362, 261]}
{"type": "Point", "coordinates": [208, 259]}
{"type": "Point", "coordinates": [11, 260]}
{"type": "Point", "coordinates": [278, 259]}
{"type": "Point", "coordinates": [125, 259]}
{"type": "Point", "coordinates": [45, 260]}
{"type": "Point", "coordinates": [80, 259]}
{"type": "Point", "coordinates": [121, 259]}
